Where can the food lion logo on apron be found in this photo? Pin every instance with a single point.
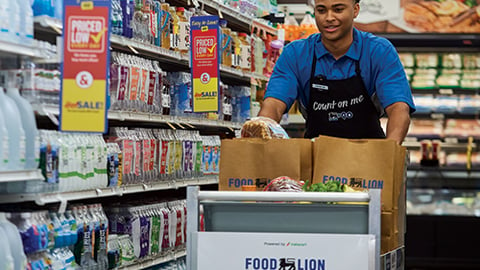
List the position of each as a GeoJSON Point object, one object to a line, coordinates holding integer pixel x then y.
{"type": "Point", "coordinates": [335, 116]}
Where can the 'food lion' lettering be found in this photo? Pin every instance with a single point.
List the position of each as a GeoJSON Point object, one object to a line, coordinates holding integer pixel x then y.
{"type": "Point", "coordinates": [284, 264]}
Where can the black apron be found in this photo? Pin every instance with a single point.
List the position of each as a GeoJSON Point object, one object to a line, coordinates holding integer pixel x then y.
{"type": "Point", "coordinates": [341, 108]}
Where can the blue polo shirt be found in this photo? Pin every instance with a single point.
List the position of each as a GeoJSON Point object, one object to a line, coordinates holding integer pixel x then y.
{"type": "Point", "coordinates": [381, 70]}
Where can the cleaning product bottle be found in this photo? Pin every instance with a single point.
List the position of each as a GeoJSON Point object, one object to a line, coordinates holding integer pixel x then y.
{"type": "Point", "coordinates": [15, 130]}
{"type": "Point", "coordinates": [4, 143]}
{"type": "Point", "coordinates": [174, 30]}
{"type": "Point", "coordinates": [307, 26]}
{"type": "Point", "coordinates": [15, 243]}
{"type": "Point", "coordinates": [183, 31]}
{"type": "Point", "coordinates": [166, 25]}
{"type": "Point", "coordinates": [32, 146]}
{"type": "Point", "coordinates": [15, 23]}
{"type": "Point", "coordinates": [226, 48]}
{"type": "Point", "coordinates": [245, 52]}
{"type": "Point", "coordinates": [236, 43]}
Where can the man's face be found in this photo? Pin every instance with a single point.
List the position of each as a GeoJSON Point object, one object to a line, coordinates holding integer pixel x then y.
{"type": "Point", "coordinates": [334, 18]}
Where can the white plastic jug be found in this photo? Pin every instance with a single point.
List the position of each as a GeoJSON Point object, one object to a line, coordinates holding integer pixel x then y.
{"type": "Point", "coordinates": [16, 134]}
{"type": "Point", "coordinates": [15, 243]}
{"type": "Point", "coordinates": [32, 146]}
{"type": "Point", "coordinates": [4, 145]}
{"type": "Point", "coordinates": [6, 259]}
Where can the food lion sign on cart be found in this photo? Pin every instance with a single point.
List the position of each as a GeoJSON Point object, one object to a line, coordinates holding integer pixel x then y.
{"type": "Point", "coordinates": [85, 66]}
{"type": "Point", "coordinates": [281, 251]}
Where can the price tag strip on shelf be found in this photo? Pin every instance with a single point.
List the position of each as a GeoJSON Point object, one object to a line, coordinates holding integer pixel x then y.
{"type": "Point", "coordinates": [64, 197]}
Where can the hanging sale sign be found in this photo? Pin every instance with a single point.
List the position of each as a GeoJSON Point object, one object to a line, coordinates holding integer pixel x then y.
{"type": "Point", "coordinates": [204, 38]}
{"type": "Point", "coordinates": [85, 66]}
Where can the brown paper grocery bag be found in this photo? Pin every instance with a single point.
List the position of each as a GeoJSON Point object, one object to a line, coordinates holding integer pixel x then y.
{"type": "Point", "coordinates": [256, 162]}
{"type": "Point", "coordinates": [366, 163]}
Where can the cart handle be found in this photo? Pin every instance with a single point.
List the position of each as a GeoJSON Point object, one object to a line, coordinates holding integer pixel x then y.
{"type": "Point", "coordinates": [284, 196]}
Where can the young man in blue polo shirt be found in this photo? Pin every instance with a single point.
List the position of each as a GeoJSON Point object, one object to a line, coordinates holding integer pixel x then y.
{"type": "Point", "coordinates": [343, 79]}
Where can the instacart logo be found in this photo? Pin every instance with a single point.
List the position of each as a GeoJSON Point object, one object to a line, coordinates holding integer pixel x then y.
{"type": "Point", "coordinates": [292, 244]}
{"type": "Point", "coordinates": [283, 244]}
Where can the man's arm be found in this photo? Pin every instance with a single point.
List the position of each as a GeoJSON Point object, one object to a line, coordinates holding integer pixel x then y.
{"type": "Point", "coordinates": [273, 108]}
{"type": "Point", "coordinates": [398, 121]}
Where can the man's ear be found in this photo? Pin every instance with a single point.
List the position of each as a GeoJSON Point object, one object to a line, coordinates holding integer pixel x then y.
{"type": "Point", "coordinates": [356, 10]}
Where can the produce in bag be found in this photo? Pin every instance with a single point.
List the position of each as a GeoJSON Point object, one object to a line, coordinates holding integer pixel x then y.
{"type": "Point", "coordinates": [284, 184]}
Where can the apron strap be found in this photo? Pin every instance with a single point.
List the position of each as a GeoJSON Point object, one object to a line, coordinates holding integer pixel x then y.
{"type": "Point", "coordinates": [314, 65]}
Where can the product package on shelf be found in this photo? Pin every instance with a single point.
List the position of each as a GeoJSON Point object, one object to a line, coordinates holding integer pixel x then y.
{"type": "Point", "coordinates": [94, 236]}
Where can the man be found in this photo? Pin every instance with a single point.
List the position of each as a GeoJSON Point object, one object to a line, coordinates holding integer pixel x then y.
{"type": "Point", "coordinates": [344, 79]}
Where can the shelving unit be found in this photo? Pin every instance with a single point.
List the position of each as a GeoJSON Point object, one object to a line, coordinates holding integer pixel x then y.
{"type": "Point", "coordinates": [16, 176]}
{"type": "Point", "coordinates": [46, 198]}
{"type": "Point", "coordinates": [125, 116]}
{"type": "Point", "coordinates": [155, 261]}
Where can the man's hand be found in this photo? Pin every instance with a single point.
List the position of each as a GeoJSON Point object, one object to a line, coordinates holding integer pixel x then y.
{"type": "Point", "coordinates": [398, 121]}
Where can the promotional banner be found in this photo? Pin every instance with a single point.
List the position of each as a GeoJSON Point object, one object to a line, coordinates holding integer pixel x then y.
{"type": "Point", "coordinates": [204, 38]}
{"type": "Point", "coordinates": [85, 66]}
{"type": "Point", "coordinates": [419, 16]}
{"type": "Point", "coordinates": [282, 251]}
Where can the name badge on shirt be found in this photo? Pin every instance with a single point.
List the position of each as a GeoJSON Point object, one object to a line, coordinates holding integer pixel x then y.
{"type": "Point", "coordinates": [320, 87]}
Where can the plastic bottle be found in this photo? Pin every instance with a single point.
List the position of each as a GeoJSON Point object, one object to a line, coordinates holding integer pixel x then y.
{"type": "Point", "coordinates": [15, 132]}
{"type": "Point", "coordinates": [6, 258]}
{"type": "Point", "coordinates": [4, 143]}
{"type": "Point", "coordinates": [307, 26]}
{"type": "Point", "coordinates": [5, 29]}
{"type": "Point", "coordinates": [236, 43]}
{"type": "Point", "coordinates": [15, 23]}
{"type": "Point", "coordinates": [291, 28]}
{"type": "Point", "coordinates": [245, 52]}
{"type": "Point", "coordinates": [226, 48]}
{"type": "Point", "coordinates": [15, 243]}
{"type": "Point", "coordinates": [32, 146]}
{"type": "Point", "coordinates": [166, 25]}
{"type": "Point", "coordinates": [174, 30]}
{"type": "Point", "coordinates": [258, 51]}
{"type": "Point", "coordinates": [273, 54]}
{"type": "Point", "coordinates": [26, 21]}
{"type": "Point", "coordinates": [183, 31]}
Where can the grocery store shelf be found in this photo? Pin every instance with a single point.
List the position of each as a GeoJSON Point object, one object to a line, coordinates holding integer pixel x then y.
{"type": "Point", "coordinates": [430, 41]}
{"type": "Point", "coordinates": [446, 91]}
{"type": "Point", "coordinates": [142, 48]}
{"type": "Point", "coordinates": [440, 116]}
{"type": "Point", "coordinates": [48, 24]}
{"type": "Point", "coordinates": [8, 49]}
{"type": "Point", "coordinates": [50, 110]}
{"type": "Point", "coordinates": [445, 146]}
{"type": "Point", "coordinates": [25, 175]}
{"type": "Point", "coordinates": [46, 198]}
{"type": "Point", "coordinates": [259, 25]}
{"type": "Point", "coordinates": [294, 119]}
{"type": "Point", "coordinates": [256, 76]}
{"type": "Point", "coordinates": [156, 261]}
{"type": "Point", "coordinates": [443, 177]}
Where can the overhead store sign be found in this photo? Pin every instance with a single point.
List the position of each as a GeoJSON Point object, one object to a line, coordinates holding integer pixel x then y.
{"type": "Point", "coordinates": [283, 251]}
{"type": "Point", "coordinates": [85, 66]}
{"type": "Point", "coordinates": [204, 39]}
